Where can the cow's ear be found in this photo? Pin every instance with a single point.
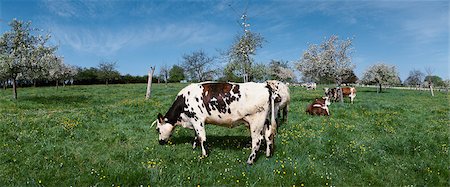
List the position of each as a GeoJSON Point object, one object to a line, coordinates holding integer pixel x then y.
{"type": "Point", "coordinates": [160, 118]}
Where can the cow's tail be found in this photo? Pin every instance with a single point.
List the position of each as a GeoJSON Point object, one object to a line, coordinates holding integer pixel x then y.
{"type": "Point", "coordinates": [273, 120]}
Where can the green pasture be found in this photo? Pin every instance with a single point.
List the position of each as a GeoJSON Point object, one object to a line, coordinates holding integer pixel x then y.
{"type": "Point", "coordinates": [100, 136]}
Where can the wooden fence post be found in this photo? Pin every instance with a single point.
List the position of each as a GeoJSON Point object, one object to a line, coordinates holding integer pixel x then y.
{"type": "Point", "coordinates": [149, 83]}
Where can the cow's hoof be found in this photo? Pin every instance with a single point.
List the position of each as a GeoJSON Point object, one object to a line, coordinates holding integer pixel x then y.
{"type": "Point", "coordinates": [250, 163]}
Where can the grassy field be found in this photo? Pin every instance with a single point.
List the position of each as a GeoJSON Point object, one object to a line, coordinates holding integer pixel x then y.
{"type": "Point", "coordinates": [101, 135]}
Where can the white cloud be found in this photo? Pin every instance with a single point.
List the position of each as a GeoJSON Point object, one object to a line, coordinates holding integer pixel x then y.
{"type": "Point", "coordinates": [108, 41]}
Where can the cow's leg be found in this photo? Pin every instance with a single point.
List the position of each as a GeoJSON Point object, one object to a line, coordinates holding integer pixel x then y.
{"type": "Point", "coordinates": [201, 137]}
{"type": "Point", "coordinates": [256, 131]}
{"type": "Point", "coordinates": [195, 141]}
{"type": "Point", "coordinates": [285, 113]}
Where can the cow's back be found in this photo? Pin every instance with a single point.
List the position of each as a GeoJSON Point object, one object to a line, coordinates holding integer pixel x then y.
{"type": "Point", "coordinates": [226, 103]}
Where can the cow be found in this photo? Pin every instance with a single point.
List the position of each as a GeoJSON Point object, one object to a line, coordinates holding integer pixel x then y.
{"type": "Point", "coordinates": [334, 95]}
{"type": "Point", "coordinates": [309, 85]}
{"type": "Point", "coordinates": [223, 104]}
{"type": "Point", "coordinates": [283, 92]}
{"type": "Point", "coordinates": [319, 107]}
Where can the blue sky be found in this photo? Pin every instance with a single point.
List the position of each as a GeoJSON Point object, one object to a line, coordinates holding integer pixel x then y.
{"type": "Point", "coordinates": [138, 34]}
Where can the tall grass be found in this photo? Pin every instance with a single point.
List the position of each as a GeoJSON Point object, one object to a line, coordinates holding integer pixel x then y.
{"type": "Point", "coordinates": [101, 135]}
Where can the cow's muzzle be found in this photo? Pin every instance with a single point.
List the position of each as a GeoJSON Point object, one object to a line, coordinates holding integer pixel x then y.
{"type": "Point", "coordinates": [162, 142]}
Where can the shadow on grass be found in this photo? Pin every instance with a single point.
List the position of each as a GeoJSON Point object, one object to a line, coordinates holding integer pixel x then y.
{"type": "Point", "coordinates": [218, 142]}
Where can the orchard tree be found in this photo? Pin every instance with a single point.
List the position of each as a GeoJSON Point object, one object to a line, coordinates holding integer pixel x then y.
{"type": "Point", "coordinates": [40, 56]}
{"type": "Point", "coordinates": [107, 71]}
{"type": "Point", "coordinates": [176, 74]}
{"type": "Point", "coordinates": [415, 78]}
{"type": "Point", "coordinates": [23, 49]}
{"type": "Point", "coordinates": [55, 69]}
{"type": "Point", "coordinates": [3, 76]}
{"type": "Point", "coordinates": [381, 74]}
{"type": "Point", "coordinates": [259, 72]}
{"type": "Point", "coordinates": [198, 65]}
{"type": "Point", "coordinates": [280, 70]}
{"type": "Point", "coordinates": [244, 47]}
{"type": "Point", "coordinates": [329, 60]}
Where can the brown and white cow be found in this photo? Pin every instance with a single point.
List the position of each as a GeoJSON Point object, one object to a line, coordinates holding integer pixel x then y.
{"type": "Point", "coordinates": [346, 91]}
{"type": "Point", "coordinates": [319, 107]}
{"type": "Point", "coordinates": [224, 104]}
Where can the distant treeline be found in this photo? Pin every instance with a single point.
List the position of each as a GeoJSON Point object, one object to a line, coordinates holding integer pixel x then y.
{"type": "Point", "coordinates": [85, 76]}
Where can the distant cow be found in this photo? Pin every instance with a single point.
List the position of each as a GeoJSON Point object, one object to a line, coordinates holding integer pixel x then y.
{"type": "Point", "coordinates": [319, 107]}
{"type": "Point", "coordinates": [346, 91]}
{"type": "Point", "coordinates": [285, 98]}
{"type": "Point", "coordinates": [309, 85]}
{"type": "Point", "coordinates": [224, 104]}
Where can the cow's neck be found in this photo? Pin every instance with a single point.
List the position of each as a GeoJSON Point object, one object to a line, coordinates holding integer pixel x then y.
{"type": "Point", "coordinates": [178, 107]}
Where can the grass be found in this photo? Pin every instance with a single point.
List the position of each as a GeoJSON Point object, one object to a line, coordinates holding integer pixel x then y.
{"type": "Point", "coordinates": [101, 135]}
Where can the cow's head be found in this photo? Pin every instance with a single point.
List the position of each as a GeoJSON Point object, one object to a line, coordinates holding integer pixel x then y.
{"type": "Point", "coordinates": [164, 129]}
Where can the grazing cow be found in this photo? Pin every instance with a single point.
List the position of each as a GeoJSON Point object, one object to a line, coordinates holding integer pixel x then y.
{"type": "Point", "coordinates": [224, 104]}
{"type": "Point", "coordinates": [319, 107]}
{"type": "Point", "coordinates": [283, 92]}
{"type": "Point", "coordinates": [346, 91]}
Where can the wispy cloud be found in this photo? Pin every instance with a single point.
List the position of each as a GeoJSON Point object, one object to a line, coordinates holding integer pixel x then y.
{"type": "Point", "coordinates": [107, 41]}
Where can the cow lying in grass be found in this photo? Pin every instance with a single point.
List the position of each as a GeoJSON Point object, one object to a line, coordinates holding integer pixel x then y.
{"type": "Point", "coordinates": [319, 107]}
{"type": "Point", "coordinates": [224, 104]}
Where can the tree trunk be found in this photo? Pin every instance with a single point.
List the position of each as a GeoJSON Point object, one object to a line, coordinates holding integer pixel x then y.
{"type": "Point", "coordinates": [379, 88]}
{"type": "Point", "coordinates": [106, 82]}
{"type": "Point", "coordinates": [4, 85]}
{"type": "Point", "coordinates": [57, 84]}
{"type": "Point", "coordinates": [14, 84]}
{"type": "Point", "coordinates": [34, 83]}
{"type": "Point", "coordinates": [149, 83]}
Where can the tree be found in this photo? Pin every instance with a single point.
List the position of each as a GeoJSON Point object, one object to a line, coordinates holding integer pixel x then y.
{"type": "Point", "coordinates": [107, 71]}
{"type": "Point", "coordinates": [415, 78]}
{"type": "Point", "coordinates": [164, 72]}
{"type": "Point", "coordinates": [350, 77]}
{"type": "Point", "coordinates": [23, 50]}
{"type": "Point", "coordinates": [197, 65]}
{"type": "Point", "coordinates": [381, 74]}
{"type": "Point", "coordinates": [40, 57]}
{"type": "Point", "coordinates": [176, 74]}
{"type": "Point", "coordinates": [259, 72]}
{"type": "Point", "coordinates": [280, 70]}
{"type": "Point", "coordinates": [436, 80]}
{"type": "Point", "coordinates": [241, 52]}
{"type": "Point", "coordinates": [330, 60]}
{"type": "Point", "coordinates": [56, 69]}
{"type": "Point", "coordinates": [86, 75]}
